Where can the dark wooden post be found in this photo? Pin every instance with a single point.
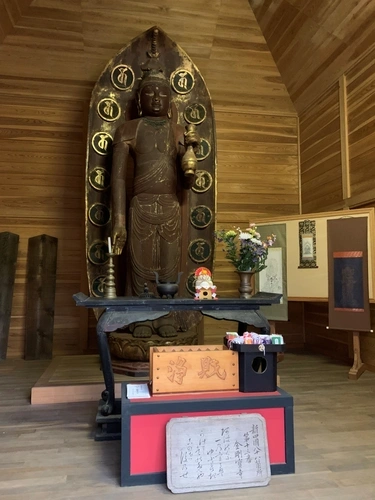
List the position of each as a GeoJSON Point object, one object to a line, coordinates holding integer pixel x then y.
{"type": "Point", "coordinates": [8, 260]}
{"type": "Point", "coordinates": [40, 296]}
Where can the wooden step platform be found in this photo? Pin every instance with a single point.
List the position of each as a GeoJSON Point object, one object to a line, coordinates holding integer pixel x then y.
{"type": "Point", "coordinates": [73, 379]}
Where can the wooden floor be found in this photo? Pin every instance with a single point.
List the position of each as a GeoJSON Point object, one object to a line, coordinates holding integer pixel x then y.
{"type": "Point", "coordinates": [48, 452]}
{"type": "Point", "coordinates": [73, 379]}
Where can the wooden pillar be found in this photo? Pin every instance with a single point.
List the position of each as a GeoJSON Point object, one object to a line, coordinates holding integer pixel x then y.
{"type": "Point", "coordinates": [40, 296]}
{"type": "Point", "coordinates": [8, 260]}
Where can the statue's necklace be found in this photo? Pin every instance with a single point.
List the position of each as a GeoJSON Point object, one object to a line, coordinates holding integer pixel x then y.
{"type": "Point", "coordinates": [155, 123]}
{"type": "Point", "coordinates": [159, 130]}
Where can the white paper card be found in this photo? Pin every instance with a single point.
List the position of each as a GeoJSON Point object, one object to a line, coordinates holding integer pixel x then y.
{"type": "Point", "coordinates": [137, 391]}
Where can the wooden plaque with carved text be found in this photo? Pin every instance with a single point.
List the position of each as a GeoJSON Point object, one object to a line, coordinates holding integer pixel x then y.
{"type": "Point", "coordinates": [177, 369]}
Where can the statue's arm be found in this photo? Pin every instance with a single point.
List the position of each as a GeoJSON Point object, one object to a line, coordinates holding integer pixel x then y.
{"type": "Point", "coordinates": [118, 185]}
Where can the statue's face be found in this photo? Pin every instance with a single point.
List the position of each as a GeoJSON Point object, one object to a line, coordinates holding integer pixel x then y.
{"type": "Point", "coordinates": [155, 99]}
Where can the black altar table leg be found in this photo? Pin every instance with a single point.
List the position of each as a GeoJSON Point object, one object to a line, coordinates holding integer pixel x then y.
{"type": "Point", "coordinates": [108, 395]}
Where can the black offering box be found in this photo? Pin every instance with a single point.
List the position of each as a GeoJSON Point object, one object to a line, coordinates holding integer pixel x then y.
{"type": "Point", "coordinates": [257, 366]}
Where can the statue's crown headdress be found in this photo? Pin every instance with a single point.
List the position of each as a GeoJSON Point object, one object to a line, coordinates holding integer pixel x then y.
{"type": "Point", "coordinates": [152, 70]}
{"type": "Point", "coordinates": [151, 75]}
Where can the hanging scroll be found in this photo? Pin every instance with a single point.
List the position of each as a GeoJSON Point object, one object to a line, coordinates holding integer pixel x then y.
{"type": "Point", "coordinates": [348, 295]}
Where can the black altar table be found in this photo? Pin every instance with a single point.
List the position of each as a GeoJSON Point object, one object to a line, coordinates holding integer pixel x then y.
{"type": "Point", "coordinates": [122, 311]}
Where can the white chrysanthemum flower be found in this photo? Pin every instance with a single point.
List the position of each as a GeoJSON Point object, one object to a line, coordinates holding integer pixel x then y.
{"type": "Point", "coordinates": [245, 236]}
{"type": "Point", "coordinates": [256, 241]}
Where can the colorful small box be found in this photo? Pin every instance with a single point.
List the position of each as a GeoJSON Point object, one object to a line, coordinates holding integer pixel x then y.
{"type": "Point", "coordinates": [277, 339]}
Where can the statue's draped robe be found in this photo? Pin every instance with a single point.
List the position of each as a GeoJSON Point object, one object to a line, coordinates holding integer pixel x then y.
{"type": "Point", "coordinates": [154, 220]}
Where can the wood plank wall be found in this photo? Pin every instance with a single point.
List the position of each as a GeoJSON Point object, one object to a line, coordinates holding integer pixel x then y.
{"type": "Point", "coordinates": [327, 177]}
{"type": "Point", "coordinates": [42, 186]}
{"type": "Point", "coordinates": [257, 158]}
{"type": "Point", "coordinates": [360, 85]}
{"type": "Point", "coordinates": [325, 52]}
{"type": "Point", "coordinates": [320, 149]}
{"type": "Point", "coordinates": [52, 53]}
{"type": "Point", "coordinates": [256, 144]}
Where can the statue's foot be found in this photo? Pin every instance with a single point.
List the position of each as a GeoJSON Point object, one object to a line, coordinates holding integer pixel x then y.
{"type": "Point", "coordinates": [142, 331]}
{"type": "Point", "coordinates": [167, 331]}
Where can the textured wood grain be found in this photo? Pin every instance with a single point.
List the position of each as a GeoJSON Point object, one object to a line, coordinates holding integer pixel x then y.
{"type": "Point", "coordinates": [71, 379]}
{"type": "Point", "coordinates": [48, 453]}
{"type": "Point", "coordinates": [313, 42]}
{"type": "Point", "coordinates": [10, 13]}
{"type": "Point", "coordinates": [320, 149]}
{"type": "Point", "coordinates": [42, 173]}
{"type": "Point", "coordinates": [40, 298]}
{"type": "Point", "coordinates": [337, 127]}
{"type": "Point", "coordinates": [8, 262]}
{"type": "Point", "coordinates": [193, 368]}
{"type": "Point", "coordinates": [361, 125]}
{"type": "Point", "coordinates": [52, 53]}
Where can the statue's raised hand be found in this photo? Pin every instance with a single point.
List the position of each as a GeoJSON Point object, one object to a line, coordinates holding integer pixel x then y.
{"type": "Point", "coordinates": [191, 136]}
{"type": "Point", "coordinates": [118, 238]}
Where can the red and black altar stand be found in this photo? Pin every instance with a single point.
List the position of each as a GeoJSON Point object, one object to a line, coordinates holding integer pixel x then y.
{"type": "Point", "coordinates": [143, 428]}
{"type": "Point", "coordinates": [141, 424]}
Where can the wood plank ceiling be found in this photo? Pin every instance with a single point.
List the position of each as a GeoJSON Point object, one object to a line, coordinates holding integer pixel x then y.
{"type": "Point", "coordinates": [310, 40]}
{"type": "Point", "coordinates": [313, 41]}
{"type": "Point", "coordinates": [11, 12]}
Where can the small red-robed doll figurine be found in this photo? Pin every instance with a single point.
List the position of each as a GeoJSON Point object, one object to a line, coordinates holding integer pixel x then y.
{"type": "Point", "coordinates": [204, 287]}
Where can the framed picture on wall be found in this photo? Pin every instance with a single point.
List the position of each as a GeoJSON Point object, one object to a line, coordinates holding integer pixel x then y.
{"type": "Point", "coordinates": [307, 244]}
{"type": "Point", "coordinates": [273, 279]}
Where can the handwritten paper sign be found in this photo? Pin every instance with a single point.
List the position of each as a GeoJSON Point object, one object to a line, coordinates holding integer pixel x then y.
{"type": "Point", "coordinates": [137, 391]}
{"type": "Point", "coordinates": [218, 452]}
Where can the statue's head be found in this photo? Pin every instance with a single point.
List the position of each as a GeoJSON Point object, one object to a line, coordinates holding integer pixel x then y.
{"type": "Point", "coordinates": [154, 94]}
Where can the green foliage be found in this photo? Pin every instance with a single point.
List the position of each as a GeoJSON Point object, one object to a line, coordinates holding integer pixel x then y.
{"type": "Point", "coordinates": [245, 249]}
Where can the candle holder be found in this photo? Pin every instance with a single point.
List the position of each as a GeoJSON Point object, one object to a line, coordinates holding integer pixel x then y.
{"type": "Point", "coordinates": [110, 284]}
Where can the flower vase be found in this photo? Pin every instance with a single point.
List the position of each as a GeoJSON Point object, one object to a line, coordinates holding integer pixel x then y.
{"type": "Point", "coordinates": [246, 288]}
